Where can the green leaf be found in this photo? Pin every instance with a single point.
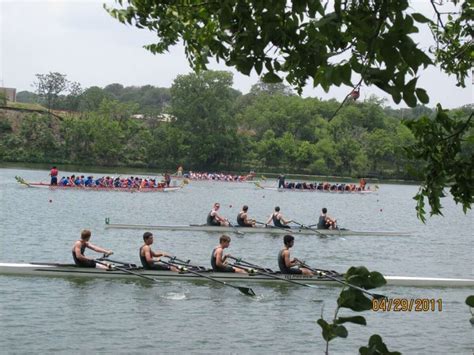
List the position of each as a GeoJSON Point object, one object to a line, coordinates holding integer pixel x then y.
{"type": "Point", "coordinates": [355, 300]}
{"type": "Point", "coordinates": [420, 18]}
{"type": "Point", "coordinates": [271, 78]}
{"type": "Point", "coordinates": [409, 97]}
{"type": "Point", "coordinates": [341, 331]}
{"type": "Point", "coordinates": [355, 319]}
{"type": "Point", "coordinates": [422, 96]}
{"type": "Point", "coordinates": [327, 333]}
{"type": "Point", "coordinates": [376, 347]}
{"type": "Point", "coordinates": [470, 301]}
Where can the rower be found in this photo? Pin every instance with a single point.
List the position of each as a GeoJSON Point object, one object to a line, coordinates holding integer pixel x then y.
{"type": "Point", "coordinates": [214, 219]}
{"type": "Point", "coordinates": [150, 259]}
{"type": "Point", "coordinates": [243, 219]}
{"type": "Point", "coordinates": [79, 248]}
{"type": "Point", "coordinates": [218, 258]}
{"type": "Point", "coordinates": [326, 222]}
{"type": "Point", "coordinates": [285, 263]}
{"type": "Point", "coordinates": [278, 220]}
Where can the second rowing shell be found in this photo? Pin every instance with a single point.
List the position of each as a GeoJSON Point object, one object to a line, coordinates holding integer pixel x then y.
{"type": "Point", "coordinates": [261, 230]}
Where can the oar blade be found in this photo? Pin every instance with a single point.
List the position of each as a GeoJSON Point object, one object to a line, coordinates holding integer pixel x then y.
{"type": "Point", "coordinates": [247, 291]}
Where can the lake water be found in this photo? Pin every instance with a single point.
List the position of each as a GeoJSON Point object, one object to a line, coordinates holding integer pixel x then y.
{"type": "Point", "coordinates": [43, 315]}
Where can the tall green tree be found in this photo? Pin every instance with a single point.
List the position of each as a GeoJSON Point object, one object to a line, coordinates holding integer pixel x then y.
{"type": "Point", "coordinates": [202, 106]}
{"type": "Point", "coordinates": [50, 86]}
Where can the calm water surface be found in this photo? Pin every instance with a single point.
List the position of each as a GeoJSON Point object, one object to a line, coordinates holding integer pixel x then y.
{"type": "Point", "coordinates": [43, 315]}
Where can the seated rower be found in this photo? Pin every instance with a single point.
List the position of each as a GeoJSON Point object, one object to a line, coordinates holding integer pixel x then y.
{"type": "Point", "coordinates": [243, 219]}
{"type": "Point", "coordinates": [150, 259]}
{"type": "Point", "coordinates": [79, 248]}
{"type": "Point", "coordinates": [326, 222]}
{"type": "Point", "coordinates": [214, 219]}
{"type": "Point", "coordinates": [278, 220]}
{"type": "Point", "coordinates": [218, 258]}
{"type": "Point", "coordinates": [288, 265]}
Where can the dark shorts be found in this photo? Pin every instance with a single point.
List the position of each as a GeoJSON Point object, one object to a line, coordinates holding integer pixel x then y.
{"type": "Point", "coordinates": [243, 225]}
{"type": "Point", "coordinates": [54, 180]}
{"type": "Point", "coordinates": [88, 263]}
{"type": "Point", "coordinates": [214, 223]}
{"type": "Point", "coordinates": [159, 266]}
{"type": "Point", "coordinates": [227, 268]}
{"type": "Point", "coordinates": [293, 271]}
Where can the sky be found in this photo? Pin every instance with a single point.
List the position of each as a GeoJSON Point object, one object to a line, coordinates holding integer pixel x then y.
{"type": "Point", "coordinates": [80, 39]}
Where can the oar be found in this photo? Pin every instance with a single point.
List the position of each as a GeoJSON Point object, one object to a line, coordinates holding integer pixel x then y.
{"type": "Point", "coordinates": [282, 228]}
{"type": "Point", "coordinates": [128, 271]}
{"type": "Point", "coordinates": [104, 258]}
{"type": "Point", "coordinates": [374, 295]}
{"type": "Point", "coordinates": [311, 229]}
{"type": "Point", "coordinates": [259, 268]}
{"type": "Point", "coordinates": [179, 263]}
{"type": "Point", "coordinates": [234, 228]}
{"type": "Point", "coordinates": [245, 290]}
{"type": "Point", "coordinates": [257, 183]}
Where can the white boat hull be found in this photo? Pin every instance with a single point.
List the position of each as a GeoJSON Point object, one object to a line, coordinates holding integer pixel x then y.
{"type": "Point", "coordinates": [261, 230]}
{"type": "Point", "coordinates": [62, 270]}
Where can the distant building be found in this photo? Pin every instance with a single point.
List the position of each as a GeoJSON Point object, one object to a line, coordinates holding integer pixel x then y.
{"type": "Point", "coordinates": [10, 93]}
{"type": "Point", "coordinates": [164, 117]}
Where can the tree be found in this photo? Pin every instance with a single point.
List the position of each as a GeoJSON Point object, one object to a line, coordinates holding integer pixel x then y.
{"type": "Point", "coordinates": [91, 99]}
{"type": "Point", "coordinates": [325, 42]}
{"type": "Point", "coordinates": [49, 86]}
{"type": "Point", "coordinates": [201, 104]}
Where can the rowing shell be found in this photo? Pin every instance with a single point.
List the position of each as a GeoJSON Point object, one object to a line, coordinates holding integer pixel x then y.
{"type": "Point", "coordinates": [68, 270]}
{"type": "Point", "coordinates": [244, 230]}
{"type": "Point", "coordinates": [44, 185]}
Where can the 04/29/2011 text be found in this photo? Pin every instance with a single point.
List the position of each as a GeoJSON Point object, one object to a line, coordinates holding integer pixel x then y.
{"type": "Point", "coordinates": [407, 305]}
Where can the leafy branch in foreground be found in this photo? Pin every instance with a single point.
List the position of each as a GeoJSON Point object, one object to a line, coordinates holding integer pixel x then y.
{"type": "Point", "coordinates": [355, 300]}
{"type": "Point", "coordinates": [446, 144]}
{"type": "Point", "coordinates": [470, 303]}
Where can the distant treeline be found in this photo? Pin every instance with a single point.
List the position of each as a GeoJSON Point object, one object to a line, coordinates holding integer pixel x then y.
{"type": "Point", "coordinates": [215, 127]}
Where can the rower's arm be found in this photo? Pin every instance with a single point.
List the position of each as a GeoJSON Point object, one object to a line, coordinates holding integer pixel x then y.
{"type": "Point", "coordinates": [160, 254]}
{"type": "Point", "coordinates": [98, 249]}
{"type": "Point", "coordinates": [269, 219]}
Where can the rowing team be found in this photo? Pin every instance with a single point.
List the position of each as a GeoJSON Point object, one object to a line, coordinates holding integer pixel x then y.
{"type": "Point", "coordinates": [243, 220]}
{"type": "Point", "coordinates": [322, 186]}
{"type": "Point", "coordinates": [111, 182]}
{"type": "Point", "coordinates": [218, 176]}
{"type": "Point", "coordinates": [151, 260]}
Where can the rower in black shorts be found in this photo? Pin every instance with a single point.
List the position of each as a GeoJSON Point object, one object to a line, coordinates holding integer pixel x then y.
{"type": "Point", "coordinates": [285, 263]}
{"type": "Point", "coordinates": [147, 256]}
{"type": "Point", "coordinates": [218, 259]}
{"type": "Point", "coordinates": [243, 219]}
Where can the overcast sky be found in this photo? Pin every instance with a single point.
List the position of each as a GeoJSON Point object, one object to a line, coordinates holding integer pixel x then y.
{"type": "Point", "coordinates": [80, 39]}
